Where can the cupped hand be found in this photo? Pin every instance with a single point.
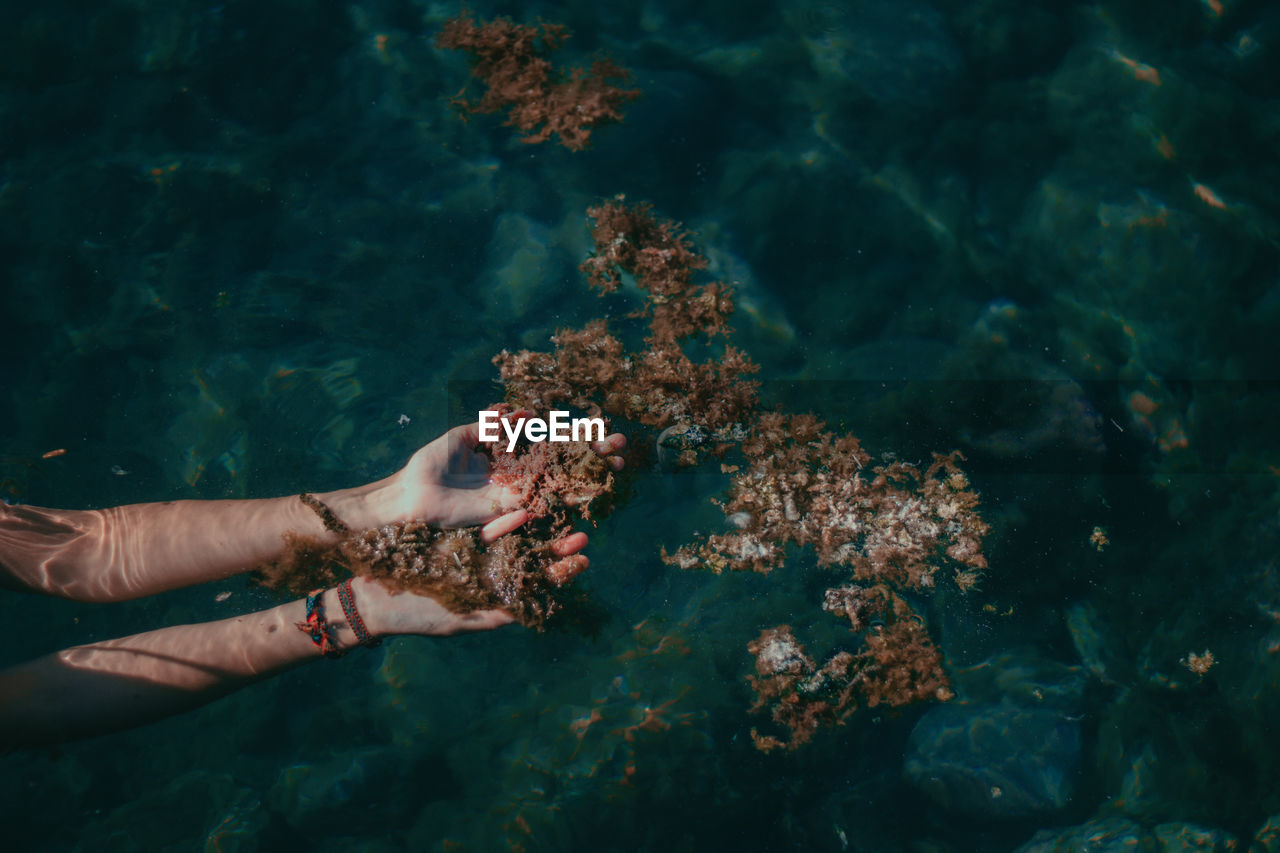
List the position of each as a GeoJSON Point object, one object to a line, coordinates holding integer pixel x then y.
{"type": "Point", "coordinates": [388, 613]}
{"type": "Point", "coordinates": [447, 483]}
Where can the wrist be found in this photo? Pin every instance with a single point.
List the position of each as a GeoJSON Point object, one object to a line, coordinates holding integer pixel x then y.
{"type": "Point", "coordinates": [337, 627]}
{"type": "Point", "coordinates": [369, 598]}
{"type": "Point", "coordinates": [344, 636]}
{"type": "Point", "coordinates": [366, 507]}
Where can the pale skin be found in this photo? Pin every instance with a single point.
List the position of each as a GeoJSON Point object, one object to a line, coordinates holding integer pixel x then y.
{"type": "Point", "coordinates": [132, 551]}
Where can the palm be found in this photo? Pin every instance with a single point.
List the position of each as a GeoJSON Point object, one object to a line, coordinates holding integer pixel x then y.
{"type": "Point", "coordinates": [447, 483]}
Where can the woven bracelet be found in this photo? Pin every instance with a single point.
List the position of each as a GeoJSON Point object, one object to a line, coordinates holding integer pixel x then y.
{"type": "Point", "coordinates": [348, 599]}
{"type": "Point", "coordinates": [317, 627]}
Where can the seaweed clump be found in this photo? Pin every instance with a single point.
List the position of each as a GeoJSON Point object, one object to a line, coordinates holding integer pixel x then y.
{"type": "Point", "coordinates": [556, 481]}
{"type": "Point", "coordinates": [658, 385]}
{"type": "Point", "coordinates": [891, 527]}
{"type": "Point", "coordinates": [519, 573]}
{"type": "Point", "coordinates": [897, 665]}
{"type": "Point", "coordinates": [510, 59]}
{"type": "Point", "coordinates": [805, 485]}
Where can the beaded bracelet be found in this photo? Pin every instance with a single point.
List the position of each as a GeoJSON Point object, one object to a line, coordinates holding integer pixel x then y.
{"type": "Point", "coordinates": [318, 627]}
{"type": "Point", "coordinates": [348, 599]}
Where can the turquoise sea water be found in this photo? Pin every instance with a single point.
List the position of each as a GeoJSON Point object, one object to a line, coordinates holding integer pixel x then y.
{"type": "Point", "coordinates": [241, 240]}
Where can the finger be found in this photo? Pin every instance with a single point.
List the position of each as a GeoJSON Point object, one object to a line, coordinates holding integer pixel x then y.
{"type": "Point", "coordinates": [479, 505]}
{"type": "Point", "coordinates": [563, 571]}
{"type": "Point", "coordinates": [571, 544]}
{"type": "Point", "coordinates": [483, 620]}
{"type": "Point", "coordinates": [501, 498]}
{"type": "Point", "coordinates": [617, 463]}
{"type": "Point", "coordinates": [609, 444]}
{"type": "Point", "coordinates": [502, 525]}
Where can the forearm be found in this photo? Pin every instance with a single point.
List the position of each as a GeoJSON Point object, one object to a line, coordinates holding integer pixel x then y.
{"type": "Point", "coordinates": [126, 552]}
{"type": "Point", "coordinates": [101, 687]}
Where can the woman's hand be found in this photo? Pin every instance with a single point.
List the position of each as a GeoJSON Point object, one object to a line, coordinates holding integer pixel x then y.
{"type": "Point", "coordinates": [388, 613]}
{"type": "Point", "coordinates": [447, 484]}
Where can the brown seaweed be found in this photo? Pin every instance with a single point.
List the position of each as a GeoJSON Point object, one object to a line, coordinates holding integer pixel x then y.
{"type": "Point", "coordinates": [510, 59]}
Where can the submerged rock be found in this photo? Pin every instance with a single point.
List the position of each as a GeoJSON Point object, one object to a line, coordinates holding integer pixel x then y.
{"type": "Point", "coordinates": [524, 275]}
{"type": "Point", "coordinates": [995, 761]}
{"type": "Point", "coordinates": [1120, 835]}
{"type": "Point", "coordinates": [1188, 837]}
{"type": "Point", "coordinates": [1267, 838]}
{"type": "Point", "coordinates": [361, 791]}
{"type": "Point", "coordinates": [896, 54]}
{"type": "Point", "coordinates": [1091, 637]}
{"type": "Point", "coordinates": [1109, 835]}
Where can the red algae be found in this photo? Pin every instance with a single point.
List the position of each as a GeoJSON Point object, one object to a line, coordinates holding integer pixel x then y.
{"type": "Point", "coordinates": [657, 385]}
{"type": "Point", "coordinates": [553, 479]}
{"type": "Point", "coordinates": [540, 100]}
{"type": "Point", "coordinates": [805, 485]}
{"type": "Point", "coordinates": [891, 527]}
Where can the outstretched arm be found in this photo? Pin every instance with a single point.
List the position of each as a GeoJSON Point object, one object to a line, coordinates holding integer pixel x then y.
{"type": "Point", "coordinates": [116, 684]}
{"type": "Point", "coordinates": [131, 551]}
{"type": "Point", "coordinates": [127, 552]}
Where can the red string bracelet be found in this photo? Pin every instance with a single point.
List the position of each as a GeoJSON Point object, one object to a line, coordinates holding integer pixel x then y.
{"type": "Point", "coordinates": [348, 599]}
